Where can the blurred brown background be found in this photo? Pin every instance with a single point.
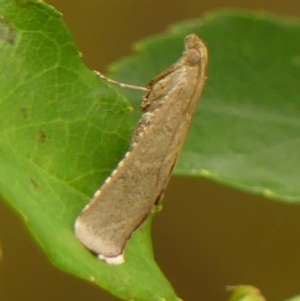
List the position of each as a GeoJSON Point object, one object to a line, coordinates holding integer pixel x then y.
{"type": "Point", "coordinates": [208, 235]}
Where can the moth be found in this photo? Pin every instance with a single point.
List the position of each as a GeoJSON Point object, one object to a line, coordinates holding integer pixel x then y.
{"type": "Point", "coordinates": [128, 196]}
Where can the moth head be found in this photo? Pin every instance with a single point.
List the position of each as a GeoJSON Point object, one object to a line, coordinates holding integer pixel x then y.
{"type": "Point", "coordinates": [195, 50]}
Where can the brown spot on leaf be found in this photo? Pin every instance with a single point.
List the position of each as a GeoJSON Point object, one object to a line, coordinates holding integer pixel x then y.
{"type": "Point", "coordinates": [34, 183]}
{"type": "Point", "coordinates": [24, 112]}
{"type": "Point", "coordinates": [42, 137]}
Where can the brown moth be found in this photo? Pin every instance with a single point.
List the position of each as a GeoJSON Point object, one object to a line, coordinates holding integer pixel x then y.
{"type": "Point", "coordinates": [128, 196]}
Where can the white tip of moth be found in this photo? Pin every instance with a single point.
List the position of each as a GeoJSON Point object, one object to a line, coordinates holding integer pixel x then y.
{"type": "Point", "coordinates": [112, 260]}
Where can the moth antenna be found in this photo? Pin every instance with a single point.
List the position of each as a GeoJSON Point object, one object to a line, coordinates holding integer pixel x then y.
{"type": "Point", "coordinates": [120, 84]}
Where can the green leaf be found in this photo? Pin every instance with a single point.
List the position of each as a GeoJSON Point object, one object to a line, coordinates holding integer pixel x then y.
{"type": "Point", "coordinates": [245, 293]}
{"type": "Point", "coordinates": [246, 130]}
{"type": "Point", "coordinates": [295, 298]}
{"type": "Point", "coordinates": [62, 131]}
{"type": "Point", "coordinates": [250, 293]}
